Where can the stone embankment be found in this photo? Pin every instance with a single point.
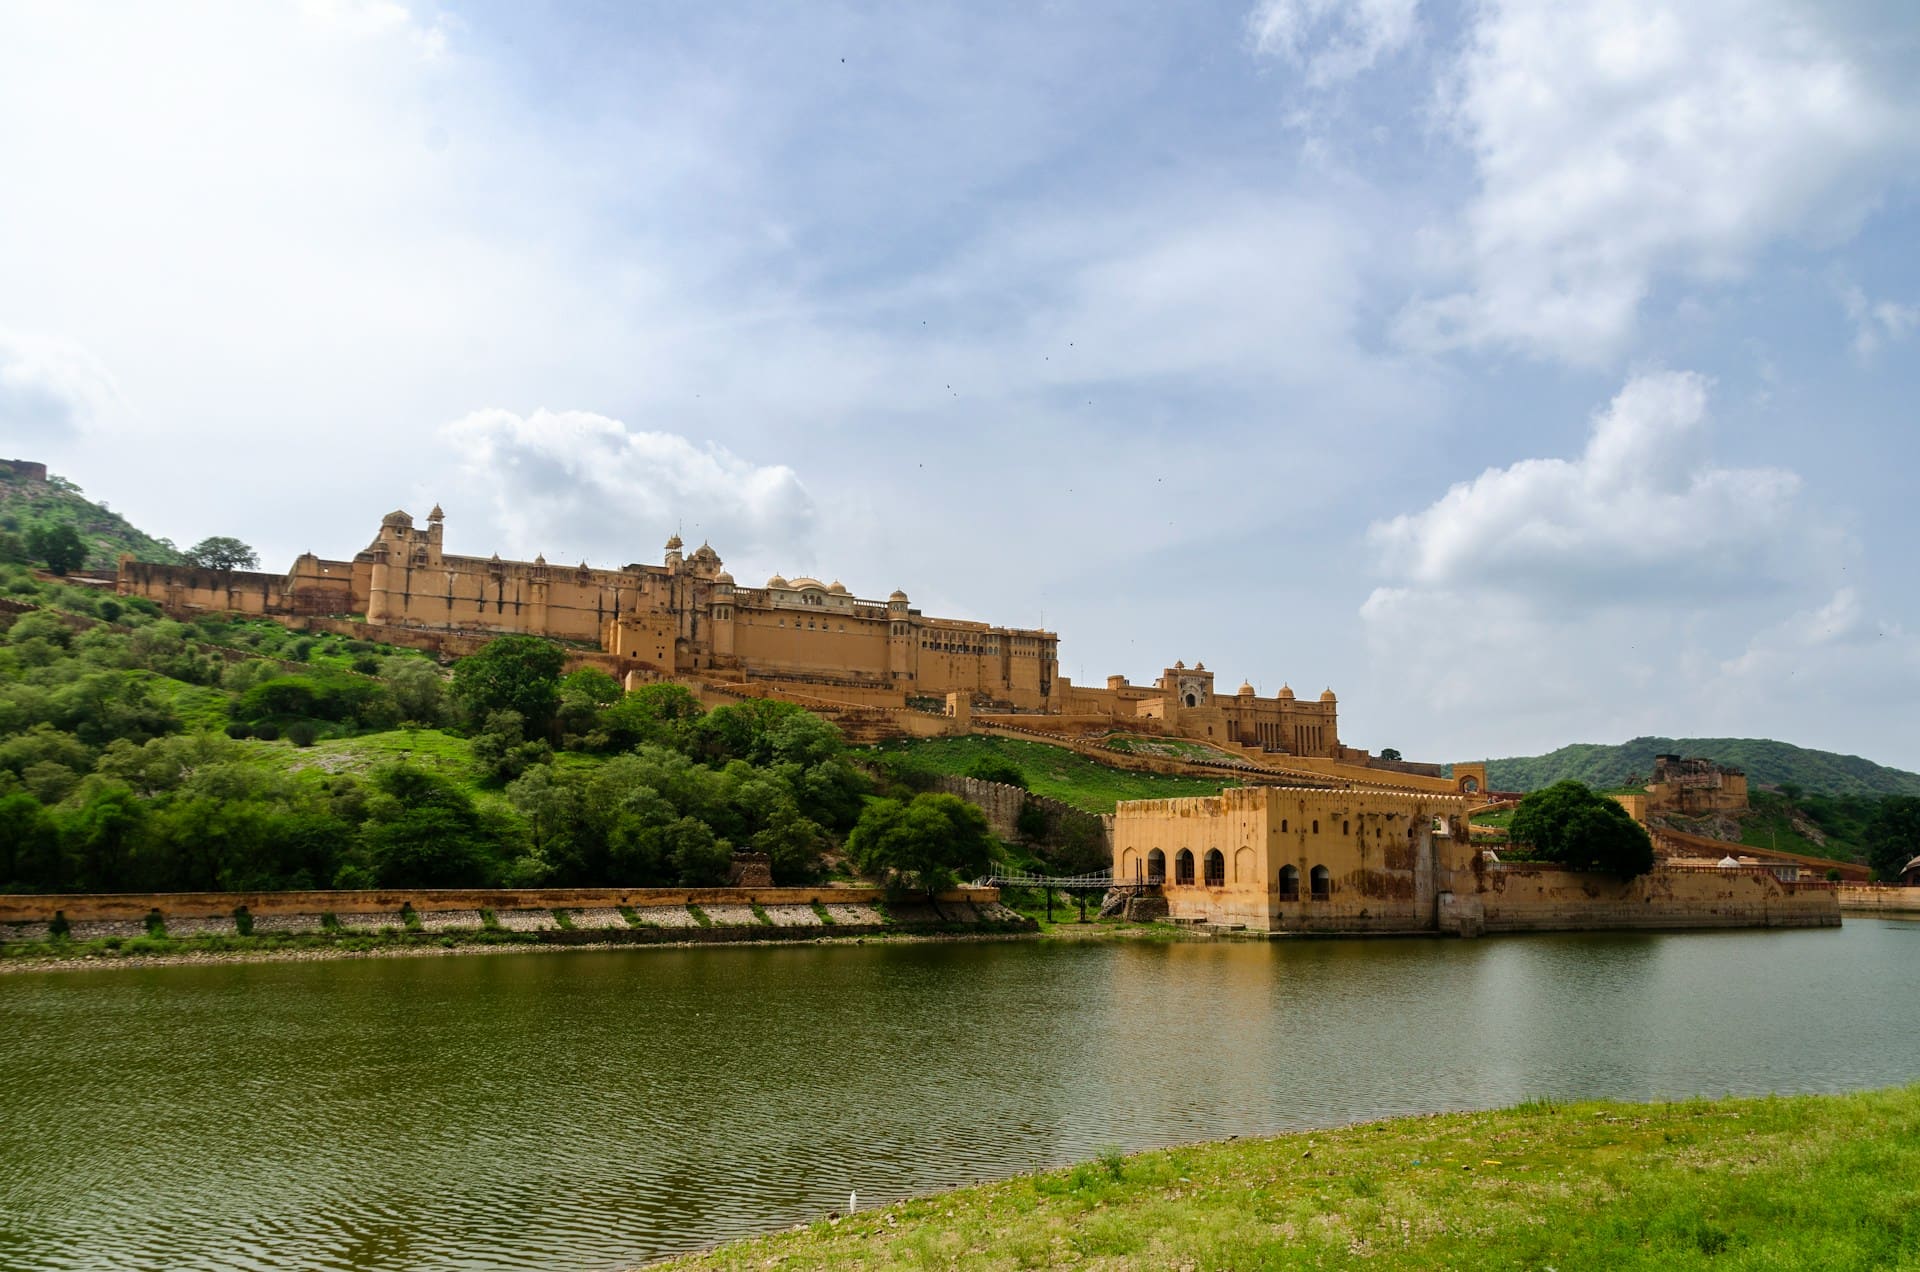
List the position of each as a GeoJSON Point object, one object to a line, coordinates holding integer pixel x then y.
{"type": "Point", "coordinates": [548, 916]}
{"type": "Point", "coordinates": [1879, 898]}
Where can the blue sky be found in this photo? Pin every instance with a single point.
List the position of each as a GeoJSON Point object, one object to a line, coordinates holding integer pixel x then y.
{"type": "Point", "coordinates": [1529, 375]}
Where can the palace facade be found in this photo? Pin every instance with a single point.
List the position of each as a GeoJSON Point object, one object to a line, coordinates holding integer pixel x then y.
{"type": "Point", "coordinates": [685, 616]}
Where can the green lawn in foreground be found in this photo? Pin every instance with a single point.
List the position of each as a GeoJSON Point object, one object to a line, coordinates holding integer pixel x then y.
{"type": "Point", "coordinates": [1828, 1182]}
{"type": "Point", "coordinates": [1055, 771]}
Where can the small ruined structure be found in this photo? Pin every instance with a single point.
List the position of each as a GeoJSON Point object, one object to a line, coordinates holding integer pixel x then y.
{"type": "Point", "coordinates": [750, 870]}
{"type": "Point", "coordinates": [31, 470]}
{"type": "Point", "coordinates": [1695, 787]}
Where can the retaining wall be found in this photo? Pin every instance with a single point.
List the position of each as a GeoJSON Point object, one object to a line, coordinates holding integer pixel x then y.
{"type": "Point", "coordinates": [1535, 898]}
{"type": "Point", "coordinates": [130, 906]}
{"type": "Point", "coordinates": [1879, 898]}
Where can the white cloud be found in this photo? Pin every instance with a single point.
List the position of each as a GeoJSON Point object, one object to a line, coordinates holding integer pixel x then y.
{"type": "Point", "coordinates": [1332, 40]}
{"type": "Point", "coordinates": [50, 390]}
{"type": "Point", "coordinates": [573, 483]}
{"type": "Point", "coordinates": [1637, 588]}
{"type": "Point", "coordinates": [1877, 322]}
{"type": "Point", "coordinates": [1642, 513]}
{"type": "Point", "coordinates": [1617, 142]}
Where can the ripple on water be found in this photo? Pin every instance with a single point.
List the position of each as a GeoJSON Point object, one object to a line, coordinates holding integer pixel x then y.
{"type": "Point", "coordinates": [595, 1109]}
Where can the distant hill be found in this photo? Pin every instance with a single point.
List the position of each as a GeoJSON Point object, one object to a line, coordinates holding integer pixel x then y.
{"type": "Point", "coordinates": [1766, 762]}
{"type": "Point", "coordinates": [26, 498]}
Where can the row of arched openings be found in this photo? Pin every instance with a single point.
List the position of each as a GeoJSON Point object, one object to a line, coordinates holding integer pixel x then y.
{"type": "Point", "coordinates": [1319, 879]}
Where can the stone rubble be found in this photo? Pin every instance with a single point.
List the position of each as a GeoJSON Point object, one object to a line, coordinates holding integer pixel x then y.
{"type": "Point", "coordinates": [450, 920]}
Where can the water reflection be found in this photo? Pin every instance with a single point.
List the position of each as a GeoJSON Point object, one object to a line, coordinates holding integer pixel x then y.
{"type": "Point", "coordinates": [589, 1110]}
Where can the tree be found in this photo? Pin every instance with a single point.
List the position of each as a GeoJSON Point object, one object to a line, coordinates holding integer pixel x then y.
{"type": "Point", "coordinates": [513, 673]}
{"type": "Point", "coordinates": [931, 843]}
{"type": "Point", "coordinates": [1569, 824]}
{"type": "Point", "coordinates": [424, 832]}
{"type": "Point", "coordinates": [218, 552]}
{"type": "Point", "coordinates": [59, 545]}
{"type": "Point", "coordinates": [1893, 835]}
{"type": "Point", "coordinates": [584, 694]}
{"type": "Point", "coordinates": [661, 714]}
{"type": "Point", "coordinates": [419, 691]}
{"type": "Point", "coordinates": [1389, 753]}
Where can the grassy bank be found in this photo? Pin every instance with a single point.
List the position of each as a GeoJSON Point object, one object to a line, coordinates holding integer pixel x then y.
{"type": "Point", "coordinates": [1795, 1182]}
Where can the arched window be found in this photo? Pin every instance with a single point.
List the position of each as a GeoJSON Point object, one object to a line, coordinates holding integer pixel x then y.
{"type": "Point", "coordinates": [1183, 868]}
{"type": "Point", "coordinates": [1216, 868]}
{"type": "Point", "coordinates": [1283, 825]}
{"type": "Point", "coordinates": [1156, 866]}
{"type": "Point", "coordinates": [1322, 881]}
{"type": "Point", "coordinates": [1289, 883]}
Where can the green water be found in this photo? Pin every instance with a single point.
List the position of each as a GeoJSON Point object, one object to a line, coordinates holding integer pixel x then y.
{"type": "Point", "coordinates": [590, 1110]}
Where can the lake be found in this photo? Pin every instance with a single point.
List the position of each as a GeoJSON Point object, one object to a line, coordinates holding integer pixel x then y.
{"type": "Point", "coordinates": [593, 1109]}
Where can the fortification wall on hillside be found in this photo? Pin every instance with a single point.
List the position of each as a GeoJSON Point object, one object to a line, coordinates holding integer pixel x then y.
{"type": "Point", "coordinates": [1003, 801]}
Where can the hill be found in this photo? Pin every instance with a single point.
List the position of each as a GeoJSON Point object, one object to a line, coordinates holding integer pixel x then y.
{"type": "Point", "coordinates": [27, 498]}
{"type": "Point", "coordinates": [1767, 763]}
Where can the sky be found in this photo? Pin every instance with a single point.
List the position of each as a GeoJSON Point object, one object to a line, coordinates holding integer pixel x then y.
{"type": "Point", "coordinates": [1528, 374]}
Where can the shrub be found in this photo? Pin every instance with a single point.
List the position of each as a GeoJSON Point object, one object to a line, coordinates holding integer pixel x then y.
{"type": "Point", "coordinates": [267, 732]}
{"type": "Point", "coordinates": [239, 732]}
{"type": "Point", "coordinates": [992, 768]}
{"type": "Point", "coordinates": [303, 733]}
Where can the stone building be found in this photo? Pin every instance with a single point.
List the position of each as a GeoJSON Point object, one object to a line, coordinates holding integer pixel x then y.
{"type": "Point", "coordinates": [684, 616]}
{"type": "Point", "coordinates": [1695, 787]}
{"type": "Point", "coordinates": [1294, 859]}
{"type": "Point", "coordinates": [1184, 699]}
{"type": "Point", "coordinates": [689, 618]}
{"type": "Point", "coordinates": [1274, 858]}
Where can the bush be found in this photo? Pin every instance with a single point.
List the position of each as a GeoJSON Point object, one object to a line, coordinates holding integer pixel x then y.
{"type": "Point", "coordinates": [239, 732]}
{"type": "Point", "coordinates": [992, 768]}
{"type": "Point", "coordinates": [303, 733]}
{"type": "Point", "coordinates": [267, 732]}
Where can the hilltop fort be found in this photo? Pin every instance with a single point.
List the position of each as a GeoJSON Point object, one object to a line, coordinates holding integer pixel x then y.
{"type": "Point", "coordinates": [687, 618]}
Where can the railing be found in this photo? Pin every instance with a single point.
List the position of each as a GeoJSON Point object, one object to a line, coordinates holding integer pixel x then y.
{"type": "Point", "coordinates": [1098, 880]}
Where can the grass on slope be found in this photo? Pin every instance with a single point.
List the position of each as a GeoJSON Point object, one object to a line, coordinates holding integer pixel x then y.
{"type": "Point", "coordinates": [1053, 771]}
{"type": "Point", "coordinates": [1801, 1182]}
{"type": "Point", "coordinates": [1172, 748]}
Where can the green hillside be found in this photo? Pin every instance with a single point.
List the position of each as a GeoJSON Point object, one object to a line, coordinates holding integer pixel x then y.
{"type": "Point", "coordinates": [25, 501]}
{"type": "Point", "coordinates": [1052, 771]}
{"type": "Point", "coordinates": [1767, 763]}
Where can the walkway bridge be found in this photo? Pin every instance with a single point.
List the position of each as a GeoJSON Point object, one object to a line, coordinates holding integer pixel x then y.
{"type": "Point", "coordinates": [1098, 881]}
{"type": "Point", "coordinates": [1115, 893]}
